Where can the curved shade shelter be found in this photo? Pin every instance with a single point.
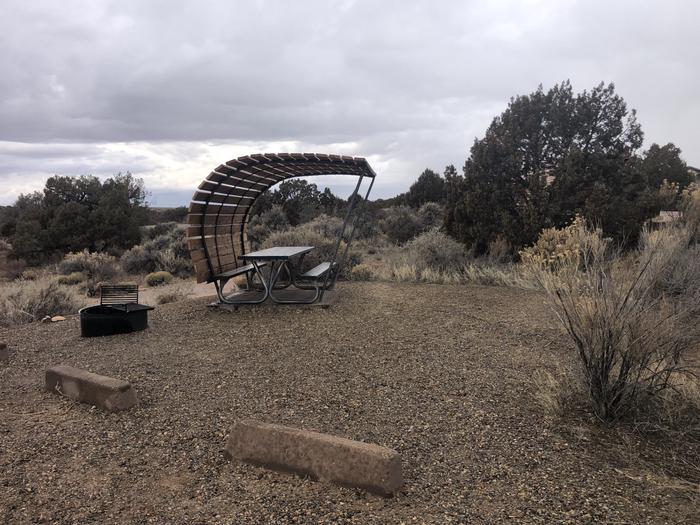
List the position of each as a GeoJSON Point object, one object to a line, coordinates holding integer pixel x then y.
{"type": "Point", "coordinates": [220, 208]}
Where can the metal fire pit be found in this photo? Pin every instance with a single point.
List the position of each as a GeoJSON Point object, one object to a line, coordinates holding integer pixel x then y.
{"type": "Point", "coordinates": [117, 313]}
{"type": "Point", "coordinates": [102, 320]}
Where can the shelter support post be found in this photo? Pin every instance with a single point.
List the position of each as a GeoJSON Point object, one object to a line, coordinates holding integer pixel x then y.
{"type": "Point", "coordinates": [351, 205]}
{"type": "Point", "coordinates": [349, 240]}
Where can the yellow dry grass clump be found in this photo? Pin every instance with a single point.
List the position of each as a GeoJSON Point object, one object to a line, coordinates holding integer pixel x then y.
{"type": "Point", "coordinates": [558, 249]}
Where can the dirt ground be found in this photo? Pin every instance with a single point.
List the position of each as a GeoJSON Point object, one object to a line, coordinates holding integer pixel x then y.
{"type": "Point", "coordinates": [441, 374]}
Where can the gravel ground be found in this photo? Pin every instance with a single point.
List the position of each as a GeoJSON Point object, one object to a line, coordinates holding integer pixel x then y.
{"type": "Point", "coordinates": [441, 374]}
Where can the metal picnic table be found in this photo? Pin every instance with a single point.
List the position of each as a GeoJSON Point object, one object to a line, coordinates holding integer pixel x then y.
{"type": "Point", "coordinates": [279, 258]}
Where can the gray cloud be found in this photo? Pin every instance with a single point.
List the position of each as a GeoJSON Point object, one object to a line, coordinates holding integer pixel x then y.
{"type": "Point", "coordinates": [154, 87]}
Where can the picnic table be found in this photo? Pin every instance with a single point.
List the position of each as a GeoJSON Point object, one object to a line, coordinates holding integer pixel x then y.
{"type": "Point", "coordinates": [277, 261]}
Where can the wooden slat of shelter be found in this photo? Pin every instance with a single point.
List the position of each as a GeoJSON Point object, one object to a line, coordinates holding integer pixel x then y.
{"type": "Point", "coordinates": [230, 198]}
{"type": "Point", "coordinates": [227, 175]}
{"type": "Point", "coordinates": [213, 208]}
{"type": "Point", "coordinates": [225, 256]}
{"type": "Point", "coordinates": [219, 211]}
{"type": "Point", "coordinates": [219, 229]}
{"type": "Point", "coordinates": [214, 218]}
{"type": "Point", "coordinates": [222, 258]}
{"type": "Point", "coordinates": [246, 186]}
{"type": "Point", "coordinates": [222, 242]}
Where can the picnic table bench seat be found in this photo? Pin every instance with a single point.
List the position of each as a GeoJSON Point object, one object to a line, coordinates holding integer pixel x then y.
{"type": "Point", "coordinates": [238, 271]}
{"type": "Point", "coordinates": [317, 271]}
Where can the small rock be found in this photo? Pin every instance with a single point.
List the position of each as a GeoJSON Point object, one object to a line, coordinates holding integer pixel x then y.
{"type": "Point", "coordinates": [57, 318]}
{"type": "Point", "coordinates": [4, 352]}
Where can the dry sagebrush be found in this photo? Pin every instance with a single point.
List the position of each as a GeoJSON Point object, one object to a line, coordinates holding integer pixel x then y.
{"type": "Point", "coordinates": [167, 252]}
{"type": "Point", "coordinates": [96, 267]}
{"type": "Point", "coordinates": [434, 257]}
{"type": "Point", "coordinates": [28, 301]}
{"type": "Point", "coordinates": [631, 335]}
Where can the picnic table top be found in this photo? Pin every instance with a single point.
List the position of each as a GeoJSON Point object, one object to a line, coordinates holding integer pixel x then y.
{"type": "Point", "coordinates": [277, 253]}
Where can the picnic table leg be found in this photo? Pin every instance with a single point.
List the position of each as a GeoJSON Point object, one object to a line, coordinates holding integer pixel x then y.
{"type": "Point", "coordinates": [265, 295]}
{"type": "Point", "coordinates": [292, 268]}
{"type": "Point", "coordinates": [275, 275]}
{"type": "Point", "coordinates": [220, 289]}
{"type": "Point", "coordinates": [312, 299]}
{"type": "Point", "coordinates": [283, 265]}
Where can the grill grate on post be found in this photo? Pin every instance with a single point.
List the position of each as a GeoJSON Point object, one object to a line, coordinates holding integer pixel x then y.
{"type": "Point", "coordinates": [119, 294]}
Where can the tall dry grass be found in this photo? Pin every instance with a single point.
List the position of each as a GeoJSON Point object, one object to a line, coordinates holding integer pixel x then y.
{"type": "Point", "coordinates": [28, 301]}
{"type": "Point", "coordinates": [434, 257]}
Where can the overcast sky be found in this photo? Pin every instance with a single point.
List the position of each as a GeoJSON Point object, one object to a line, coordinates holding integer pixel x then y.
{"type": "Point", "coordinates": [168, 90]}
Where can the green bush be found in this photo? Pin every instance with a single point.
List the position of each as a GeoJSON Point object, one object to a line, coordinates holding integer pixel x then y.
{"type": "Point", "coordinates": [96, 267]}
{"type": "Point", "coordinates": [431, 215]}
{"type": "Point", "coordinates": [28, 301]}
{"type": "Point", "coordinates": [327, 225]}
{"type": "Point", "coordinates": [366, 225]}
{"type": "Point", "coordinates": [263, 225]}
{"type": "Point", "coordinates": [139, 259]}
{"type": "Point", "coordinates": [170, 261]}
{"type": "Point", "coordinates": [167, 215]}
{"type": "Point", "coordinates": [430, 187]}
{"type": "Point", "coordinates": [158, 278]}
{"type": "Point", "coordinates": [164, 228]}
{"type": "Point", "coordinates": [436, 251]}
{"type": "Point", "coordinates": [400, 223]}
{"type": "Point", "coordinates": [71, 279]}
{"type": "Point", "coordinates": [167, 253]}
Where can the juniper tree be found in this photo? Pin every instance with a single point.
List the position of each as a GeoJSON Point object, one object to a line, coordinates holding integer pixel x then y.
{"type": "Point", "coordinates": [549, 156]}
